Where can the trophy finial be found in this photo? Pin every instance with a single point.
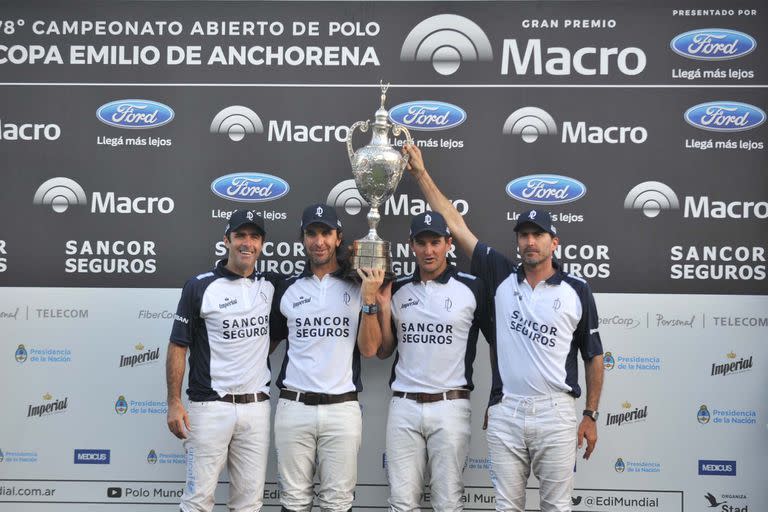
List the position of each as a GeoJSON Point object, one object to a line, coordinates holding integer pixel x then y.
{"type": "Point", "coordinates": [383, 92]}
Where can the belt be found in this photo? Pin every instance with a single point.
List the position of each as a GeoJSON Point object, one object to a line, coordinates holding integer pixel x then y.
{"type": "Point", "coordinates": [317, 398]}
{"type": "Point", "coordinates": [425, 398]}
{"type": "Point", "coordinates": [247, 398]}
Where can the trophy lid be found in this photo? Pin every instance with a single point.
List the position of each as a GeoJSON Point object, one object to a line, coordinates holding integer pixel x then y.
{"type": "Point", "coordinates": [382, 114]}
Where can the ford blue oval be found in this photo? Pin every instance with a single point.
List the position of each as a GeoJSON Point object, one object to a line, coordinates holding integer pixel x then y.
{"type": "Point", "coordinates": [546, 189]}
{"type": "Point", "coordinates": [250, 187]}
{"type": "Point", "coordinates": [135, 114]}
{"type": "Point", "coordinates": [713, 44]}
{"type": "Point", "coordinates": [427, 115]}
{"type": "Point", "coordinates": [724, 116]}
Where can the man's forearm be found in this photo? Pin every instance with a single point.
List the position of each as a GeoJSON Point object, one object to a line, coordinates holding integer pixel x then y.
{"type": "Point", "coordinates": [175, 365]}
{"type": "Point", "coordinates": [594, 371]}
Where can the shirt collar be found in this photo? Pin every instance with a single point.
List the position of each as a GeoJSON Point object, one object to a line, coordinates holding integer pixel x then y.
{"type": "Point", "coordinates": [221, 270]}
{"type": "Point", "coordinates": [442, 278]}
{"type": "Point", "coordinates": [555, 278]}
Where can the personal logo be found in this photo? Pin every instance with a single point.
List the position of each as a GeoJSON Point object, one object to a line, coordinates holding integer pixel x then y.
{"type": "Point", "coordinates": [546, 189]}
{"type": "Point", "coordinates": [713, 503]}
{"type": "Point", "coordinates": [713, 44]}
{"type": "Point", "coordinates": [347, 298]}
{"type": "Point", "coordinates": [446, 40]}
{"type": "Point", "coordinates": [428, 219]}
{"type": "Point", "coordinates": [448, 304]}
{"type": "Point", "coordinates": [21, 354]}
{"type": "Point", "coordinates": [121, 405]}
{"type": "Point", "coordinates": [135, 114]}
{"type": "Point", "coordinates": [608, 361]}
{"type": "Point", "coordinates": [724, 116]}
{"type": "Point", "coordinates": [427, 115]}
{"type": "Point", "coordinates": [250, 187]}
{"type": "Point", "coordinates": [557, 304]}
{"type": "Point", "coordinates": [702, 415]}
{"type": "Point", "coordinates": [236, 121]}
{"type": "Point", "coordinates": [60, 193]}
{"type": "Point", "coordinates": [619, 466]}
{"type": "Point", "coordinates": [152, 457]}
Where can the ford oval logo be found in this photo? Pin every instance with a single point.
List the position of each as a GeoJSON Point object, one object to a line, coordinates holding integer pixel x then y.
{"type": "Point", "coordinates": [546, 189]}
{"type": "Point", "coordinates": [427, 115]}
{"type": "Point", "coordinates": [713, 44]}
{"type": "Point", "coordinates": [135, 114]}
{"type": "Point", "coordinates": [725, 116]}
{"type": "Point", "coordinates": [250, 187]}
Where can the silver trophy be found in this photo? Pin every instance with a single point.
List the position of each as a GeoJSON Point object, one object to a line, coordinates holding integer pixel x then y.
{"type": "Point", "coordinates": [377, 169]}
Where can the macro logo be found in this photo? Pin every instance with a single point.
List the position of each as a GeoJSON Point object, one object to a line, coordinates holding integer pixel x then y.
{"type": "Point", "coordinates": [546, 189]}
{"type": "Point", "coordinates": [121, 405]}
{"type": "Point", "coordinates": [702, 415]}
{"type": "Point", "coordinates": [28, 131]}
{"type": "Point", "coordinates": [608, 361]}
{"type": "Point", "coordinates": [651, 197]}
{"type": "Point", "coordinates": [236, 121]}
{"type": "Point", "coordinates": [717, 467]}
{"type": "Point", "coordinates": [345, 195]}
{"type": "Point", "coordinates": [446, 40]}
{"type": "Point", "coordinates": [713, 44]}
{"type": "Point", "coordinates": [427, 115]}
{"type": "Point", "coordinates": [91, 456]}
{"type": "Point", "coordinates": [250, 187]}
{"type": "Point", "coordinates": [724, 116]}
{"type": "Point", "coordinates": [530, 123]}
{"type": "Point", "coordinates": [135, 114]}
{"type": "Point", "coordinates": [619, 467]}
{"type": "Point", "coordinates": [60, 193]}
{"type": "Point", "coordinates": [21, 354]}
{"type": "Point", "coordinates": [152, 457]}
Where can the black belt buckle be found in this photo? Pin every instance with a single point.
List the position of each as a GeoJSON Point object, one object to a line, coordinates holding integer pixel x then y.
{"type": "Point", "coordinates": [311, 398]}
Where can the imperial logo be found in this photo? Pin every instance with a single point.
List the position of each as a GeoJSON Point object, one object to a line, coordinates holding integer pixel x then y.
{"type": "Point", "coordinates": [713, 44]}
{"type": "Point", "coordinates": [142, 358]}
{"type": "Point", "coordinates": [427, 115]}
{"type": "Point", "coordinates": [250, 187]}
{"type": "Point", "coordinates": [717, 467]}
{"type": "Point", "coordinates": [732, 365]}
{"type": "Point", "coordinates": [302, 300]}
{"type": "Point", "coordinates": [546, 189]}
{"type": "Point", "coordinates": [411, 302]}
{"type": "Point", "coordinates": [135, 114]}
{"type": "Point", "coordinates": [724, 116]}
{"type": "Point", "coordinates": [628, 415]}
{"type": "Point", "coordinates": [50, 406]}
{"type": "Point", "coordinates": [91, 456]}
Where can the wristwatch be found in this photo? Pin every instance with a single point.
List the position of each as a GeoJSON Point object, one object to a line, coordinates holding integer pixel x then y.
{"type": "Point", "coordinates": [591, 414]}
{"type": "Point", "coordinates": [370, 309]}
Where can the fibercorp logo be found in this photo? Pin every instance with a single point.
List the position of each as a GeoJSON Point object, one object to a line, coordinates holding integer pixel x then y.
{"type": "Point", "coordinates": [135, 114]}
{"type": "Point", "coordinates": [713, 44]}
{"type": "Point", "coordinates": [236, 121]}
{"type": "Point", "coordinates": [446, 40]}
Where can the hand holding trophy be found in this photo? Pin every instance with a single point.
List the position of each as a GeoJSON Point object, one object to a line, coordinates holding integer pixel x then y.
{"type": "Point", "coordinates": [377, 169]}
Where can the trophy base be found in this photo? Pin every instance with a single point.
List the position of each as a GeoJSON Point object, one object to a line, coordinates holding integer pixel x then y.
{"type": "Point", "coordinates": [372, 254]}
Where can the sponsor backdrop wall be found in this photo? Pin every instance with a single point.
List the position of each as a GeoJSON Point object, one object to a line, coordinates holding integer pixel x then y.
{"type": "Point", "coordinates": [130, 131]}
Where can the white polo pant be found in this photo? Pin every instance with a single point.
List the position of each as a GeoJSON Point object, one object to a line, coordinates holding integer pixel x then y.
{"type": "Point", "coordinates": [322, 437]}
{"type": "Point", "coordinates": [536, 433]}
{"type": "Point", "coordinates": [434, 433]}
{"type": "Point", "coordinates": [233, 434]}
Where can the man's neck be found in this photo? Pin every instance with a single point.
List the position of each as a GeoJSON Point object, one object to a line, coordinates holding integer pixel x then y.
{"type": "Point", "coordinates": [538, 273]}
{"type": "Point", "coordinates": [322, 270]}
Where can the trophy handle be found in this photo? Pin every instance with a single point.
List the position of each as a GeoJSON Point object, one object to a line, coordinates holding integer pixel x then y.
{"type": "Point", "coordinates": [396, 129]}
{"type": "Point", "coordinates": [363, 125]}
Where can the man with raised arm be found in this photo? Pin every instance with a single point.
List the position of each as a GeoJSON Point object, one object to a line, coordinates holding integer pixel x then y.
{"type": "Point", "coordinates": [542, 317]}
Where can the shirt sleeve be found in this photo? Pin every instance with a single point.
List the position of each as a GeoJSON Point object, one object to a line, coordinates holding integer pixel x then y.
{"type": "Point", "coordinates": [490, 265]}
{"type": "Point", "coordinates": [278, 324]}
{"type": "Point", "coordinates": [589, 342]}
{"type": "Point", "coordinates": [187, 313]}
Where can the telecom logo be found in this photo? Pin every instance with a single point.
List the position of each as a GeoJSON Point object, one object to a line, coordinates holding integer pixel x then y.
{"type": "Point", "coordinates": [608, 361]}
{"type": "Point", "coordinates": [236, 121]}
{"type": "Point", "coordinates": [530, 123]}
{"type": "Point", "coordinates": [121, 405]}
{"type": "Point", "coordinates": [91, 456]}
{"type": "Point", "coordinates": [651, 197]}
{"type": "Point", "coordinates": [546, 189]}
{"type": "Point", "coordinates": [427, 115]}
{"type": "Point", "coordinates": [702, 415]}
{"type": "Point", "coordinates": [60, 193]}
{"type": "Point", "coordinates": [345, 195]}
{"type": "Point", "coordinates": [21, 354]}
{"type": "Point", "coordinates": [713, 44]}
{"type": "Point", "coordinates": [724, 116]}
{"type": "Point", "coordinates": [446, 40]}
{"type": "Point", "coordinates": [250, 187]}
{"type": "Point", "coordinates": [717, 467]}
{"type": "Point", "coordinates": [135, 114]}
{"type": "Point", "coordinates": [152, 457]}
